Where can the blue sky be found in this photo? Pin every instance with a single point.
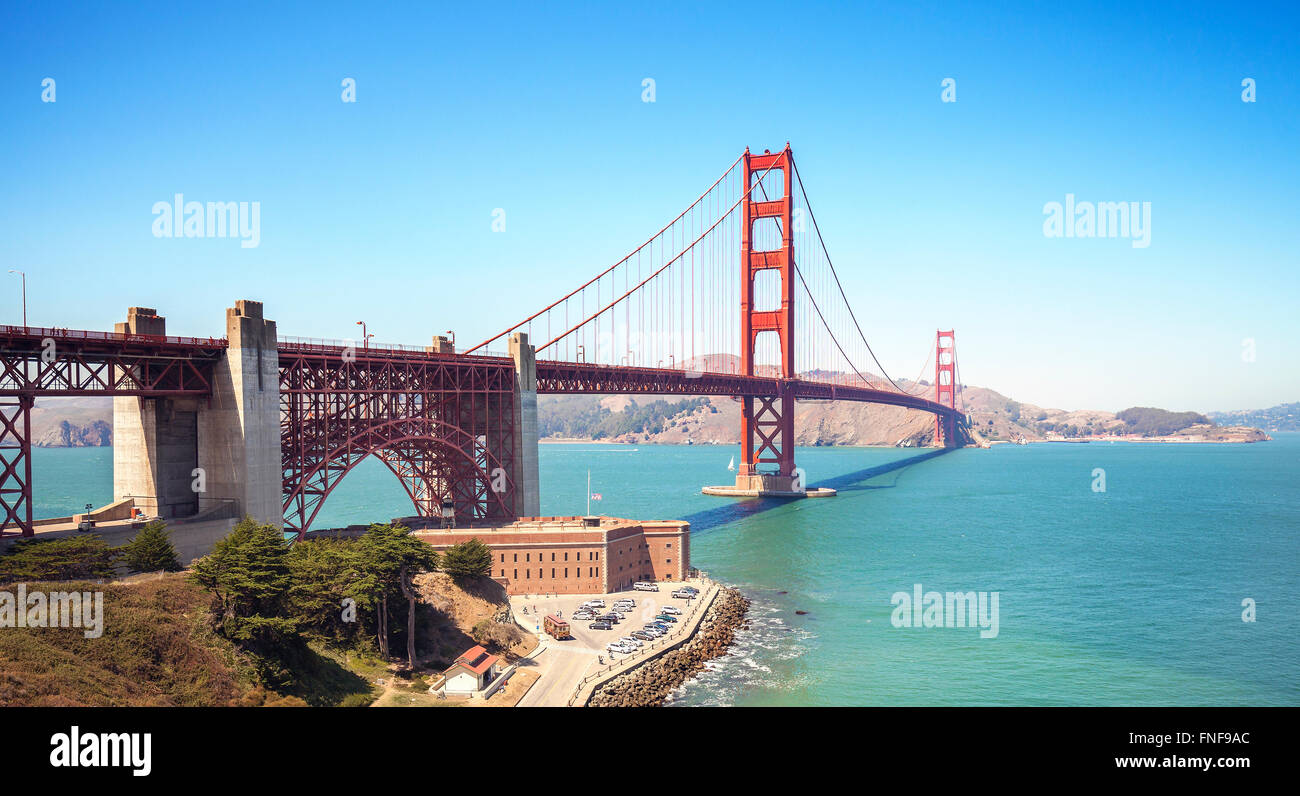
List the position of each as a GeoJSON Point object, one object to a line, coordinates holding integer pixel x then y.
{"type": "Point", "coordinates": [381, 209]}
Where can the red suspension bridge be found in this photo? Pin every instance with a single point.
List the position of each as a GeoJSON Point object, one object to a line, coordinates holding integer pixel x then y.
{"type": "Point", "coordinates": [737, 296]}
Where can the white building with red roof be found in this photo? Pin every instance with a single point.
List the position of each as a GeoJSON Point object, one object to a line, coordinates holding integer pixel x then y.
{"type": "Point", "coordinates": [473, 671]}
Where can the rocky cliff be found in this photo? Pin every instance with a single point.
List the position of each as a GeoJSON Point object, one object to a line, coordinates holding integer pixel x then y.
{"type": "Point", "coordinates": [65, 434]}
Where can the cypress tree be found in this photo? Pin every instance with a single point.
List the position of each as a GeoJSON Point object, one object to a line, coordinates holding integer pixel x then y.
{"type": "Point", "coordinates": [81, 557]}
{"type": "Point", "coordinates": [470, 558]}
{"type": "Point", "coordinates": [151, 550]}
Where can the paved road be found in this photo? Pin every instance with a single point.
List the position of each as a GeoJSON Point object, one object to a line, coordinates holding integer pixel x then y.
{"type": "Point", "coordinates": [561, 670]}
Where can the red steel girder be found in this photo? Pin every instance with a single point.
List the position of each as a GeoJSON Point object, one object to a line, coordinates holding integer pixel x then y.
{"type": "Point", "coordinates": [69, 362]}
{"type": "Point", "coordinates": [444, 424]}
{"type": "Point", "coordinates": [16, 462]}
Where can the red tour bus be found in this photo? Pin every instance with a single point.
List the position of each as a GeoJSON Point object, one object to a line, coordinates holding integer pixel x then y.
{"type": "Point", "coordinates": [557, 628]}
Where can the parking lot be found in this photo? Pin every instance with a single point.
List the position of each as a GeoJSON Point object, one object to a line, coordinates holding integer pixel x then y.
{"type": "Point", "coordinates": [647, 606]}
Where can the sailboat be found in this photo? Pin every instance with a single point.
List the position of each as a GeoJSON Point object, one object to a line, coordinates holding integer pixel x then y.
{"type": "Point", "coordinates": [732, 465]}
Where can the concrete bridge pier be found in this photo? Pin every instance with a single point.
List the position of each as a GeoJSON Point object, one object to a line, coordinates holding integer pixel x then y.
{"type": "Point", "coordinates": [155, 440]}
{"type": "Point", "coordinates": [218, 456]}
{"type": "Point", "coordinates": [525, 477]}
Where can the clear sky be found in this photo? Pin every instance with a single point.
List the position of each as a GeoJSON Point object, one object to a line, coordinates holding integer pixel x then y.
{"type": "Point", "coordinates": [382, 209]}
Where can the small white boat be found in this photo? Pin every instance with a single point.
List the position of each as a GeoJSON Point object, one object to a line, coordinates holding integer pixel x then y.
{"type": "Point", "coordinates": [732, 465]}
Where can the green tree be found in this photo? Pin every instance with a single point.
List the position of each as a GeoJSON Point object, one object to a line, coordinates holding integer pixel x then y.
{"type": "Point", "coordinates": [151, 550]}
{"type": "Point", "coordinates": [81, 557]}
{"type": "Point", "coordinates": [469, 559]}
{"type": "Point", "coordinates": [248, 575]}
{"type": "Point", "coordinates": [392, 557]}
{"type": "Point", "coordinates": [324, 573]}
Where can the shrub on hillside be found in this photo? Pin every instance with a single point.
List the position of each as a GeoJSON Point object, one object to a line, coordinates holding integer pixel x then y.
{"type": "Point", "coordinates": [81, 557]}
{"type": "Point", "coordinates": [470, 558]}
{"type": "Point", "coordinates": [151, 550]}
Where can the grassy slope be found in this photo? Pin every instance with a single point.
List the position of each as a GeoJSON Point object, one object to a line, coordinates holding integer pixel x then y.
{"type": "Point", "coordinates": [158, 650]}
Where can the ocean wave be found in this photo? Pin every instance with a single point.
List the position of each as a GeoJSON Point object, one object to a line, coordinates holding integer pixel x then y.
{"type": "Point", "coordinates": [758, 658]}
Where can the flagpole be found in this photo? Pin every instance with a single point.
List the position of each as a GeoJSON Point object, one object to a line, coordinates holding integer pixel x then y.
{"type": "Point", "coordinates": [588, 492]}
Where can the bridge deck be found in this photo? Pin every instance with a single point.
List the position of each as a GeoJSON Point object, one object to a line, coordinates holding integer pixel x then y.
{"type": "Point", "coordinates": [97, 363]}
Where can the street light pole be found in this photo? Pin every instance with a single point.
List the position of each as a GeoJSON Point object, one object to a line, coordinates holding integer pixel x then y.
{"type": "Point", "coordinates": [24, 276]}
{"type": "Point", "coordinates": [365, 338]}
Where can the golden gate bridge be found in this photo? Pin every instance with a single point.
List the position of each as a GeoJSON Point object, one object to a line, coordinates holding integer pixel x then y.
{"type": "Point", "coordinates": [737, 296]}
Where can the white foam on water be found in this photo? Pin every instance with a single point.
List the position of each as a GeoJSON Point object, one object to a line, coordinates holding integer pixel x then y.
{"type": "Point", "coordinates": [748, 663]}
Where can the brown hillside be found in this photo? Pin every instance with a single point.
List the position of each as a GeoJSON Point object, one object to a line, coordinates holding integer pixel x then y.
{"type": "Point", "coordinates": [468, 612]}
{"type": "Point", "coordinates": [156, 650]}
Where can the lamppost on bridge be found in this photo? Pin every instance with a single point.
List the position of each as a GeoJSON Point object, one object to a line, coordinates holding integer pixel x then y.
{"type": "Point", "coordinates": [452, 335]}
{"type": "Point", "coordinates": [365, 338]}
{"type": "Point", "coordinates": [24, 276]}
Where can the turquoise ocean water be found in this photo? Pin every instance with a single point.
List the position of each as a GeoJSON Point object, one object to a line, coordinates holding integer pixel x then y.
{"type": "Point", "coordinates": [1132, 596]}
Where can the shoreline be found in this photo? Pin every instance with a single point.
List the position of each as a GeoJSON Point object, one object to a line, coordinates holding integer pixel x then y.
{"type": "Point", "coordinates": [1070, 441]}
{"type": "Point", "coordinates": [649, 684]}
{"type": "Point", "coordinates": [1139, 440]}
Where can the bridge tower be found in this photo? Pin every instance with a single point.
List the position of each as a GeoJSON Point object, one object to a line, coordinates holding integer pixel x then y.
{"type": "Point", "coordinates": [767, 424]}
{"type": "Point", "coordinates": [945, 386]}
{"type": "Point", "coordinates": [213, 457]}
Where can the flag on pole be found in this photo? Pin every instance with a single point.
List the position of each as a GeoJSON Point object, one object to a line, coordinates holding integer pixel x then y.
{"type": "Point", "coordinates": [596, 496]}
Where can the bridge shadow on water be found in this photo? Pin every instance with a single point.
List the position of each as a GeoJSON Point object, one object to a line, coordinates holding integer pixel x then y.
{"type": "Point", "coordinates": [739, 509]}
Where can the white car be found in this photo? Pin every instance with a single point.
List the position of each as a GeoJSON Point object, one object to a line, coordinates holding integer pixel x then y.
{"type": "Point", "coordinates": [668, 609]}
{"type": "Point", "coordinates": [594, 604]}
{"type": "Point", "coordinates": [619, 647]}
{"type": "Point", "coordinates": [628, 641]}
{"type": "Point", "coordinates": [582, 616]}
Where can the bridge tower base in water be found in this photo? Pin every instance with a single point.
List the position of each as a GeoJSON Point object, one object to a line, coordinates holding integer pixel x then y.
{"type": "Point", "coordinates": [945, 387]}
{"type": "Point", "coordinates": [767, 423]}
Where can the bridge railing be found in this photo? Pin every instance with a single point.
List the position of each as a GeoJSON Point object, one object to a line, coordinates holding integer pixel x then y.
{"type": "Point", "coordinates": [329, 346]}
{"type": "Point", "coordinates": [57, 333]}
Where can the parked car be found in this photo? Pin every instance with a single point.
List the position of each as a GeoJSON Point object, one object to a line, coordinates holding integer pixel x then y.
{"type": "Point", "coordinates": [644, 635]}
{"type": "Point", "coordinates": [600, 624]}
{"type": "Point", "coordinates": [668, 609]}
{"type": "Point", "coordinates": [653, 631]}
{"type": "Point", "coordinates": [664, 626]}
{"type": "Point", "coordinates": [666, 618]}
{"type": "Point", "coordinates": [630, 641]}
{"type": "Point", "coordinates": [644, 586]}
{"type": "Point", "coordinates": [613, 619]}
{"type": "Point", "coordinates": [616, 646]}
{"type": "Point", "coordinates": [683, 595]}
{"type": "Point", "coordinates": [595, 603]}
